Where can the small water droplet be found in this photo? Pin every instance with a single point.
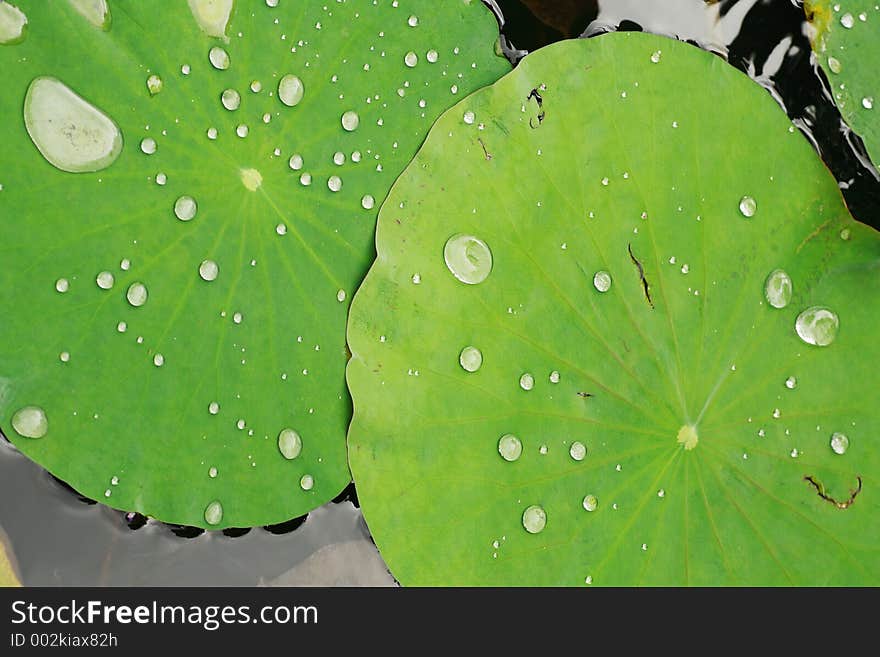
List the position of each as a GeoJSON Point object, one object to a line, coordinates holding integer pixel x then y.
{"type": "Point", "coordinates": [334, 183]}
{"type": "Point", "coordinates": [30, 422]}
{"type": "Point", "coordinates": [289, 444]}
{"type": "Point", "coordinates": [656, 55]}
{"type": "Point", "coordinates": [212, 133]}
{"type": "Point", "coordinates": [834, 65]}
{"type": "Point", "coordinates": [212, 473]}
{"type": "Point", "coordinates": [469, 117]}
{"type": "Point", "coordinates": [62, 285]}
{"type": "Point", "coordinates": [350, 122]}
{"type": "Point", "coordinates": [534, 519]}
{"type": "Point", "coordinates": [339, 158]}
{"type": "Point", "coordinates": [577, 451]}
{"type": "Point", "coordinates": [468, 258]}
{"type": "Point", "coordinates": [219, 58]}
{"type": "Point", "coordinates": [158, 360]}
{"type": "Point", "coordinates": [295, 162]}
{"type": "Point", "coordinates": [777, 413]}
{"type": "Point", "coordinates": [412, 21]}
{"type": "Point", "coordinates": [148, 145]}
{"type": "Point", "coordinates": [209, 270]}
{"type": "Point", "coordinates": [602, 281]}
{"type": "Point", "coordinates": [817, 326]}
{"type": "Point", "coordinates": [122, 327]}
{"type": "Point", "coordinates": [242, 130]}
{"type": "Point", "coordinates": [154, 84]}
{"type": "Point", "coordinates": [64, 356]}
{"type": "Point", "coordinates": [290, 90]}
{"type": "Point", "coordinates": [847, 20]}
{"type": "Point", "coordinates": [411, 59]}
{"type": "Point", "coordinates": [554, 377]}
{"type": "Point", "coordinates": [368, 202]}
{"type": "Point", "coordinates": [794, 453]}
{"type": "Point", "coordinates": [661, 493]}
{"type": "Point", "coordinates": [778, 288]}
{"type": "Point", "coordinates": [748, 206]}
{"type": "Point", "coordinates": [845, 234]}
{"type": "Point", "coordinates": [281, 229]}
{"type": "Point", "coordinates": [230, 99]}
{"type": "Point", "coordinates": [471, 359]}
{"type": "Point", "coordinates": [105, 280]}
{"type": "Point", "coordinates": [213, 408]}
{"type": "Point", "coordinates": [839, 443]}
{"type": "Point", "coordinates": [237, 317]}
{"type": "Point", "coordinates": [214, 513]}
{"type": "Point", "coordinates": [791, 383]}
{"type": "Point", "coordinates": [307, 482]}
{"type": "Point", "coordinates": [868, 102]}
{"type": "Point", "coordinates": [185, 208]}
{"type": "Point", "coordinates": [590, 503]}
{"type": "Point", "coordinates": [432, 56]}
{"type": "Point", "coordinates": [340, 296]}
{"type": "Point", "coordinates": [305, 179]}
{"type": "Point", "coordinates": [526, 381]}
{"type": "Point", "coordinates": [510, 447]}
{"type": "Point", "coordinates": [137, 294]}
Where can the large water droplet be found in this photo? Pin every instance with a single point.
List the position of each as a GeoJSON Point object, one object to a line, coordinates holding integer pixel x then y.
{"type": "Point", "coordinates": [534, 519]}
{"type": "Point", "coordinates": [30, 422]}
{"type": "Point", "coordinates": [527, 381]}
{"type": "Point", "coordinates": [847, 20]}
{"type": "Point", "coordinates": [468, 258]}
{"type": "Point", "coordinates": [289, 444]}
{"type": "Point", "coordinates": [839, 443]}
{"type": "Point", "coordinates": [577, 451]}
{"type": "Point", "coordinates": [185, 208]}
{"type": "Point", "coordinates": [137, 294]}
{"type": "Point", "coordinates": [590, 503]}
{"type": "Point", "coordinates": [105, 280]}
{"type": "Point", "coordinates": [290, 90]}
{"type": "Point", "coordinates": [470, 359]}
{"type": "Point", "coordinates": [214, 513]}
{"type": "Point", "coordinates": [94, 11]}
{"type": "Point", "coordinates": [209, 270]}
{"type": "Point", "coordinates": [748, 206]}
{"type": "Point", "coordinates": [817, 326]}
{"type": "Point", "coordinates": [510, 447]}
{"type": "Point", "coordinates": [148, 146]}
{"type": "Point", "coordinates": [230, 99]}
{"type": "Point", "coordinates": [211, 15]}
{"type": "Point", "coordinates": [13, 24]}
{"type": "Point", "coordinates": [71, 133]}
{"type": "Point", "coordinates": [777, 289]}
{"type": "Point", "coordinates": [219, 58]}
{"type": "Point", "coordinates": [602, 281]}
{"type": "Point", "coordinates": [350, 121]}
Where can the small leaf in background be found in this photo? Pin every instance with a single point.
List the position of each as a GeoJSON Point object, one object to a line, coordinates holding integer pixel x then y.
{"type": "Point", "coordinates": [618, 328]}
{"type": "Point", "coordinates": [846, 40]}
{"type": "Point", "coordinates": [8, 576]}
{"type": "Point", "coordinates": [189, 193]}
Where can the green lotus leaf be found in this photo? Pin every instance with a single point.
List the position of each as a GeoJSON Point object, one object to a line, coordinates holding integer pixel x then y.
{"type": "Point", "coordinates": [184, 220]}
{"type": "Point", "coordinates": [621, 330]}
{"type": "Point", "coordinates": [846, 40]}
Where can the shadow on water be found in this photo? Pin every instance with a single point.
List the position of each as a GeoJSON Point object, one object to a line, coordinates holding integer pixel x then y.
{"type": "Point", "coordinates": [62, 538]}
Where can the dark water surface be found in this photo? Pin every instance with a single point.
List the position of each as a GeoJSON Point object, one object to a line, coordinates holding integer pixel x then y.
{"type": "Point", "coordinates": [57, 538]}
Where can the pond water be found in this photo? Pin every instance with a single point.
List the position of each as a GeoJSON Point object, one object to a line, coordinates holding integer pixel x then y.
{"type": "Point", "coordinates": [57, 538]}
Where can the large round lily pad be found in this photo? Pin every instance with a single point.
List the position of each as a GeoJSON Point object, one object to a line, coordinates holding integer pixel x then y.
{"type": "Point", "coordinates": [189, 194]}
{"type": "Point", "coordinates": [621, 330]}
{"type": "Point", "coordinates": [846, 40]}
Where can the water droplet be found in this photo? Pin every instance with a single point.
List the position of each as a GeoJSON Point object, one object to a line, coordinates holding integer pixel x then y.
{"type": "Point", "coordinates": [817, 326]}
{"type": "Point", "coordinates": [845, 234]}
{"type": "Point", "coordinates": [307, 482]}
{"type": "Point", "coordinates": [185, 69]}
{"type": "Point", "coordinates": [554, 377]}
{"type": "Point", "coordinates": [412, 21]}
{"type": "Point", "coordinates": [469, 117]}
{"type": "Point", "coordinates": [72, 134]}
{"type": "Point", "coordinates": [577, 451]}
{"type": "Point", "coordinates": [432, 56]}
{"type": "Point", "coordinates": [122, 327]}
{"type": "Point", "coordinates": [219, 58]}
{"type": "Point", "coordinates": [154, 84]}
{"type": "Point", "coordinates": [791, 383]}
{"type": "Point", "coordinates": [137, 294]}
{"type": "Point", "coordinates": [290, 90]}
{"type": "Point", "coordinates": [776, 413]}
{"type": "Point", "coordinates": [212, 133]}
{"type": "Point", "coordinates": [94, 11]}
{"type": "Point", "coordinates": [847, 20]}
{"type": "Point", "coordinates": [834, 65]}
{"type": "Point", "coordinates": [230, 99]}
{"type": "Point", "coordinates": [340, 296]}
{"type": "Point", "coordinates": [125, 264]}
{"type": "Point", "coordinates": [777, 289]}
{"type": "Point", "coordinates": [656, 55]}
{"type": "Point", "coordinates": [868, 102]}
{"type": "Point", "coordinates": [526, 381]}
{"type": "Point", "coordinates": [602, 281]}
{"type": "Point", "coordinates": [13, 24]}
{"type": "Point", "coordinates": [185, 208]}
{"type": "Point", "coordinates": [305, 179]}
{"type": "Point", "coordinates": [281, 229]}
{"type": "Point", "coordinates": [289, 444]}
{"type": "Point", "coordinates": [368, 202]}
{"type": "Point", "coordinates": [411, 59]}
{"type": "Point", "coordinates": [212, 473]}
{"type": "Point", "coordinates": [242, 130]}
{"type": "Point", "coordinates": [468, 258]}
{"type": "Point", "coordinates": [148, 145]}
{"type": "Point", "coordinates": [416, 279]}
{"type": "Point", "coordinates": [64, 356]}
{"type": "Point", "coordinates": [590, 503]}
{"type": "Point", "coordinates": [214, 513]}
{"type": "Point", "coordinates": [350, 122]}
{"type": "Point", "coordinates": [794, 453]}
{"type": "Point", "coordinates": [158, 360]}
{"type": "Point", "coordinates": [534, 519]}
{"type": "Point", "coordinates": [105, 280]}
{"type": "Point", "coordinates": [661, 493]}
{"type": "Point", "coordinates": [211, 15]}
{"type": "Point", "coordinates": [339, 158]}
{"type": "Point", "coordinates": [510, 447]}
{"type": "Point", "coordinates": [209, 270]}
{"type": "Point", "coordinates": [839, 443]}
{"type": "Point", "coordinates": [748, 206]}
{"type": "Point", "coordinates": [30, 422]}
{"type": "Point", "coordinates": [334, 183]}
{"type": "Point", "coordinates": [213, 408]}
{"type": "Point", "coordinates": [62, 285]}
{"type": "Point", "coordinates": [295, 162]}
{"type": "Point", "coordinates": [237, 317]}
{"type": "Point", "coordinates": [470, 359]}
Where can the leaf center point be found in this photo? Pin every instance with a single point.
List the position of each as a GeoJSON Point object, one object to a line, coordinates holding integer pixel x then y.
{"type": "Point", "coordinates": [688, 437]}
{"type": "Point", "coordinates": [251, 178]}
